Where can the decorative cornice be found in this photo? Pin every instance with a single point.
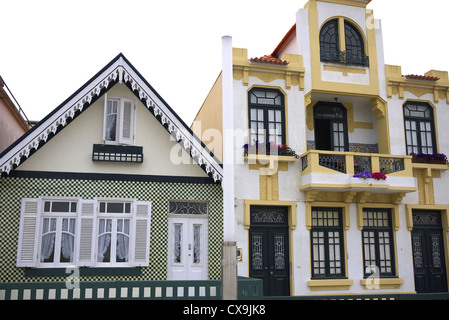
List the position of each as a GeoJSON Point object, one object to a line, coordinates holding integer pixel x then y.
{"type": "Point", "coordinates": [122, 71]}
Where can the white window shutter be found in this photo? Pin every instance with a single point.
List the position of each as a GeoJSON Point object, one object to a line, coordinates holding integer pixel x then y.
{"type": "Point", "coordinates": [105, 112]}
{"type": "Point", "coordinates": [86, 232]}
{"type": "Point", "coordinates": [142, 234]}
{"type": "Point", "coordinates": [127, 121]}
{"type": "Point", "coordinates": [28, 233]}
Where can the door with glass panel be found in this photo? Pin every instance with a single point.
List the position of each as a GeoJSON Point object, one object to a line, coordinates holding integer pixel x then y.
{"type": "Point", "coordinates": [188, 248]}
{"type": "Point", "coordinates": [429, 260]}
{"type": "Point", "coordinates": [331, 128]}
{"type": "Point", "coordinates": [269, 249]}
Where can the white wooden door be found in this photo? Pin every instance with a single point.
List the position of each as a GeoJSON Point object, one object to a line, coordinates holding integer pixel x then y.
{"type": "Point", "coordinates": [187, 248]}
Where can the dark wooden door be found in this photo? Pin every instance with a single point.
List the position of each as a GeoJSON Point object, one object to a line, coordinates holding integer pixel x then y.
{"type": "Point", "coordinates": [428, 253]}
{"type": "Point", "coordinates": [269, 249]}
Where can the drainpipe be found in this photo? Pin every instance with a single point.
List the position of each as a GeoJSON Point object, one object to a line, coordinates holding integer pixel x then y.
{"type": "Point", "coordinates": [229, 250]}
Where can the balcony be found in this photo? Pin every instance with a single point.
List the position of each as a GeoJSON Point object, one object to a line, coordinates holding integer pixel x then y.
{"type": "Point", "coordinates": [334, 171]}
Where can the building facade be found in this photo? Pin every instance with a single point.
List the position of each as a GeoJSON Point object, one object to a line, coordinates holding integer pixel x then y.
{"type": "Point", "coordinates": [112, 184]}
{"type": "Point", "coordinates": [339, 169]}
{"type": "Point", "coordinates": [13, 121]}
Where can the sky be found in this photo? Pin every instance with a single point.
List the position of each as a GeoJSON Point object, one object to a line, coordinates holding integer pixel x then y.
{"type": "Point", "coordinates": [50, 48]}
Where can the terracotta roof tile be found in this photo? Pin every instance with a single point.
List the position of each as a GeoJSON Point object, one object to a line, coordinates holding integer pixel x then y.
{"type": "Point", "coordinates": [269, 59]}
{"type": "Point", "coordinates": [418, 77]}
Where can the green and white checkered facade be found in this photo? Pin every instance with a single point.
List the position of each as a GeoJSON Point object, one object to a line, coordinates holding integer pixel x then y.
{"type": "Point", "coordinates": [13, 189]}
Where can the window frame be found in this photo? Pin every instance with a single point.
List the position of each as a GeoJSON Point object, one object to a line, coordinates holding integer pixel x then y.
{"type": "Point", "coordinates": [59, 216]}
{"type": "Point", "coordinates": [326, 230]}
{"type": "Point", "coordinates": [376, 236]}
{"type": "Point", "coordinates": [87, 218]}
{"type": "Point", "coordinates": [121, 122]}
{"type": "Point", "coordinates": [115, 217]}
{"type": "Point", "coordinates": [340, 56]}
{"type": "Point", "coordinates": [329, 55]}
{"type": "Point", "coordinates": [332, 122]}
{"type": "Point", "coordinates": [360, 57]}
{"type": "Point", "coordinates": [418, 121]}
{"type": "Point", "coordinates": [265, 108]}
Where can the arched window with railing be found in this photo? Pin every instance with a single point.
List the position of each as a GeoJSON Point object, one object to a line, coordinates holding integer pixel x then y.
{"type": "Point", "coordinates": [347, 48]}
{"type": "Point", "coordinates": [329, 43]}
{"type": "Point", "coordinates": [355, 49]}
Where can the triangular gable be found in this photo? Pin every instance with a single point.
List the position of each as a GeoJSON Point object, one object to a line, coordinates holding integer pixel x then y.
{"type": "Point", "coordinates": [118, 70]}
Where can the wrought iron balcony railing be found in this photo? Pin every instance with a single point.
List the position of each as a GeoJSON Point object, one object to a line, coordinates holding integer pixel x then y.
{"type": "Point", "coordinates": [352, 163]}
{"type": "Point", "coordinates": [348, 171]}
{"type": "Point", "coordinates": [344, 58]}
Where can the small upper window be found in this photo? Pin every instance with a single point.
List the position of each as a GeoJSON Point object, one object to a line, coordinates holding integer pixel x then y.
{"type": "Point", "coordinates": [347, 48]}
{"type": "Point", "coordinates": [119, 121]}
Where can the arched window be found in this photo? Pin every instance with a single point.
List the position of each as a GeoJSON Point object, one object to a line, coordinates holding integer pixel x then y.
{"type": "Point", "coordinates": [355, 50]}
{"type": "Point", "coordinates": [419, 128]}
{"type": "Point", "coordinates": [329, 43]}
{"type": "Point", "coordinates": [347, 48]}
{"type": "Point", "coordinates": [266, 116]}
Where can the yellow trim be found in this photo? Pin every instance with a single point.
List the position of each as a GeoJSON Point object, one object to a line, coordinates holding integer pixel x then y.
{"type": "Point", "coordinates": [345, 70]}
{"type": "Point", "coordinates": [341, 31]}
{"type": "Point", "coordinates": [285, 108]}
{"type": "Point", "coordinates": [444, 209]}
{"type": "Point", "coordinates": [292, 222]}
{"type": "Point", "coordinates": [314, 164]}
{"type": "Point", "coordinates": [424, 178]}
{"type": "Point", "coordinates": [292, 219]}
{"type": "Point", "coordinates": [268, 167]}
{"type": "Point", "coordinates": [349, 115]}
{"type": "Point", "coordinates": [382, 283]}
{"type": "Point", "coordinates": [318, 85]}
{"type": "Point", "coordinates": [342, 205]}
{"type": "Point", "coordinates": [378, 107]}
{"type": "Point", "coordinates": [394, 213]}
{"type": "Point", "coordinates": [332, 284]}
{"type": "Point", "coordinates": [435, 123]}
{"type": "Point", "coordinates": [293, 73]}
{"type": "Point", "coordinates": [397, 84]}
{"type": "Point", "coordinates": [347, 2]}
{"type": "Point", "coordinates": [346, 294]}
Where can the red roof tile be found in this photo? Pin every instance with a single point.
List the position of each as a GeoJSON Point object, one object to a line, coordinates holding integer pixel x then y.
{"type": "Point", "coordinates": [269, 59]}
{"type": "Point", "coordinates": [418, 77]}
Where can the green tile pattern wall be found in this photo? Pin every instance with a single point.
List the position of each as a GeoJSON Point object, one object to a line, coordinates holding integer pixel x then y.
{"type": "Point", "coordinates": [13, 189]}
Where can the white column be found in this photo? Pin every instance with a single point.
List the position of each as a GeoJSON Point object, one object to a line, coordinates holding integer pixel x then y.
{"type": "Point", "coordinates": [228, 140]}
{"type": "Point", "coordinates": [229, 284]}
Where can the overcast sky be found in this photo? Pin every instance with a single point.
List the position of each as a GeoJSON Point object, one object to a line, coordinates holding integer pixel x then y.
{"type": "Point", "coordinates": [49, 49]}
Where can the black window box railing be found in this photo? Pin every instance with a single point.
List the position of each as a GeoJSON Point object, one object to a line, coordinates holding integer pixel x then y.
{"type": "Point", "coordinates": [344, 58]}
{"type": "Point", "coordinates": [117, 153]}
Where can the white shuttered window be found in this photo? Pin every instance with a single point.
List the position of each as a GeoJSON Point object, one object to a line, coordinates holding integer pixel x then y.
{"type": "Point", "coordinates": [57, 232]}
{"type": "Point", "coordinates": [119, 121]}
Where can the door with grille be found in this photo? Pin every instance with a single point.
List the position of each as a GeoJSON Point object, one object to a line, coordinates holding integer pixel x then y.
{"type": "Point", "coordinates": [428, 252]}
{"type": "Point", "coordinates": [269, 249]}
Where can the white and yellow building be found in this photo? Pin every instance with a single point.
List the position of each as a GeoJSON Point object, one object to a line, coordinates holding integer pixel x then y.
{"type": "Point", "coordinates": [306, 219]}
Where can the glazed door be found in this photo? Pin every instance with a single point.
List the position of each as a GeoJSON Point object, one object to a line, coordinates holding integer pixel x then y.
{"type": "Point", "coordinates": [188, 249]}
{"type": "Point", "coordinates": [428, 253]}
{"type": "Point", "coordinates": [269, 249]}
